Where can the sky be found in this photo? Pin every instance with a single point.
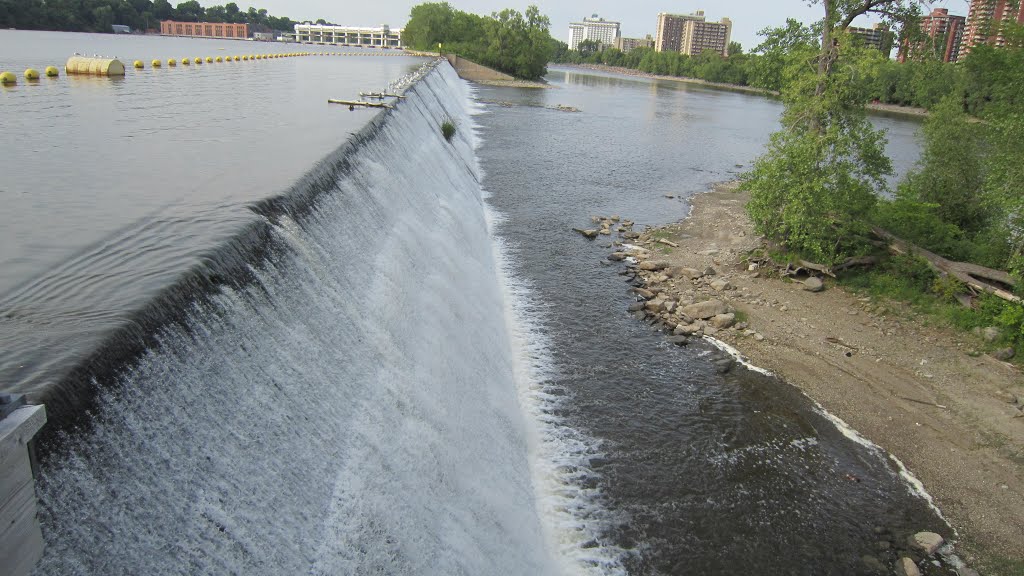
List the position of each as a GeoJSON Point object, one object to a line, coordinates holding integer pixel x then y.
{"type": "Point", "coordinates": [638, 17]}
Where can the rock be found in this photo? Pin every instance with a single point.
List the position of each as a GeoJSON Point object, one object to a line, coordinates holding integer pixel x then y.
{"type": "Point", "coordinates": [670, 306]}
{"type": "Point", "coordinates": [759, 337]}
{"type": "Point", "coordinates": [709, 271]}
{"type": "Point", "coordinates": [643, 293]}
{"type": "Point", "coordinates": [684, 318]}
{"type": "Point", "coordinates": [589, 233]}
{"type": "Point", "coordinates": [873, 565]}
{"type": "Point", "coordinates": [617, 256]}
{"type": "Point", "coordinates": [927, 542]}
{"type": "Point", "coordinates": [630, 235]}
{"type": "Point", "coordinates": [814, 284]}
{"type": "Point", "coordinates": [723, 365]}
{"type": "Point", "coordinates": [636, 306]}
{"type": "Point", "coordinates": [990, 334]}
{"type": "Point", "coordinates": [721, 284]}
{"type": "Point", "coordinates": [656, 305]}
{"type": "Point", "coordinates": [679, 340]}
{"type": "Point", "coordinates": [605, 231]}
{"type": "Point", "coordinates": [906, 567]}
{"type": "Point", "coordinates": [687, 329]}
{"type": "Point", "coordinates": [705, 310]}
{"type": "Point", "coordinates": [652, 265]}
{"type": "Point", "coordinates": [1004, 354]}
{"type": "Point", "coordinates": [1006, 396]}
{"type": "Point", "coordinates": [722, 321]}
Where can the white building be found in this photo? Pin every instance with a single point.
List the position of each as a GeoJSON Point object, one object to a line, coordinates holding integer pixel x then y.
{"type": "Point", "coordinates": [593, 28]}
{"type": "Point", "coordinates": [381, 37]}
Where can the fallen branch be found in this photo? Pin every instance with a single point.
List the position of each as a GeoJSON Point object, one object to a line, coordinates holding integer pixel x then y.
{"type": "Point", "coordinates": [978, 278]}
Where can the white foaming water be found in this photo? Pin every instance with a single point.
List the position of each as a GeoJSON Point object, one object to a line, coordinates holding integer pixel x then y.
{"type": "Point", "coordinates": [358, 408]}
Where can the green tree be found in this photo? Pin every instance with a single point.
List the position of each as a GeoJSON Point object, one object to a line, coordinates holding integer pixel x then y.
{"type": "Point", "coordinates": [816, 186]}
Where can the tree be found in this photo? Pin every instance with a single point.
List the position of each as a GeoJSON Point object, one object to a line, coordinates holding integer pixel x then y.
{"type": "Point", "coordinates": [816, 186]}
{"type": "Point", "coordinates": [735, 49]}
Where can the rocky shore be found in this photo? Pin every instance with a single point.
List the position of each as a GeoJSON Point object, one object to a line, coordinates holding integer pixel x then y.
{"type": "Point", "coordinates": [923, 393]}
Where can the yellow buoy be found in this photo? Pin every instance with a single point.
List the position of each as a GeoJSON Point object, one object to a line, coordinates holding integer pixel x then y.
{"type": "Point", "coordinates": [52, 72]}
{"type": "Point", "coordinates": [198, 60]}
{"type": "Point", "coordinates": [219, 59]}
{"type": "Point", "coordinates": [155, 64]}
{"type": "Point", "coordinates": [185, 61]}
{"type": "Point", "coordinates": [237, 58]}
{"type": "Point", "coordinates": [246, 57]}
{"type": "Point", "coordinates": [138, 64]}
{"type": "Point", "coordinates": [172, 62]}
{"type": "Point", "coordinates": [209, 60]}
{"type": "Point", "coordinates": [8, 78]}
{"type": "Point", "coordinates": [31, 74]}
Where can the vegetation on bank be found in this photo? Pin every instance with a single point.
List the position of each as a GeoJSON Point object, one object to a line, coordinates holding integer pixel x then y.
{"type": "Point", "coordinates": [819, 191]}
{"type": "Point", "coordinates": [512, 42]}
{"type": "Point", "coordinates": [100, 15]}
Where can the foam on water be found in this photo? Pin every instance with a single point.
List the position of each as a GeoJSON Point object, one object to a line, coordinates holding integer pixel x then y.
{"type": "Point", "coordinates": [371, 400]}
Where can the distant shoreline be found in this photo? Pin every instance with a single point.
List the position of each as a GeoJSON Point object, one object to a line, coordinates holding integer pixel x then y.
{"type": "Point", "coordinates": [874, 107]}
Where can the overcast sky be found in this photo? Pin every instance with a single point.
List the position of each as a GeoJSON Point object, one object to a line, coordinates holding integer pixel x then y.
{"type": "Point", "coordinates": [638, 17]}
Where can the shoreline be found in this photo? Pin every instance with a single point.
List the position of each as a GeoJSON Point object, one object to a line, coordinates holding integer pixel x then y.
{"type": "Point", "coordinates": [873, 107]}
{"type": "Point", "coordinates": [919, 392]}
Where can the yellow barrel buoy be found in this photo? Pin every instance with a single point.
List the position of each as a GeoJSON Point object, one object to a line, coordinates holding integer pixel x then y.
{"type": "Point", "coordinates": [185, 61]}
{"type": "Point", "coordinates": [209, 60]}
{"type": "Point", "coordinates": [138, 64]}
{"type": "Point", "coordinates": [52, 72]}
{"type": "Point", "coordinates": [31, 74]}
{"type": "Point", "coordinates": [219, 59]}
{"type": "Point", "coordinates": [8, 78]}
{"type": "Point", "coordinates": [94, 66]}
{"type": "Point", "coordinates": [172, 62]}
{"type": "Point", "coordinates": [155, 64]}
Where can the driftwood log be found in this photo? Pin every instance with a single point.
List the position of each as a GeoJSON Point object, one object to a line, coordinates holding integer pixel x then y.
{"type": "Point", "coordinates": [978, 278]}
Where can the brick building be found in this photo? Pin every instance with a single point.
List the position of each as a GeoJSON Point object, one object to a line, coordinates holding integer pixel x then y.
{"type": "Point", "coordinates": [945, 34]}
{"type": "Point", "coordinates": [985, 22]}
{"type": "Point", "coordinates": [204, 29]}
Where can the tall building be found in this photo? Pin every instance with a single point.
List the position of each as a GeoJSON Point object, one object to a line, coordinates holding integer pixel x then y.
{"type": "Point", "coordinates": [878, 37]}
{"type": "Point", "coordinates": [985, 21]}
{"type": "Point", "coordinates": [691, 34]}
{"type": "Point", "coordinates": [669, 37]}
{"type": "Point", "coordinates": [597, 29]}
{"type": "Point", "coordinates": [627, 44]}
{"type": "Point", "coordinates": [699, 36]}
{"type": "Point", "coordinates": [945, 34]}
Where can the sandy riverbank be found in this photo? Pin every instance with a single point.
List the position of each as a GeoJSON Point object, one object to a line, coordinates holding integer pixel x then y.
{"type": "Point", "coordinates": [911, 388]}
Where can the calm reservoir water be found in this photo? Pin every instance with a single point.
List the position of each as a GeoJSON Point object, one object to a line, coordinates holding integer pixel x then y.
{"type": "Point", "coordinates": [318, 341]}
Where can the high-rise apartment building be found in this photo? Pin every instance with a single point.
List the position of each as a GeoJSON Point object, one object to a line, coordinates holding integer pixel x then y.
{"type": "Point", "coordinates": [669, 35]}
{"type": "Point", "coordinates": [945, 34]}
{"type": "Point", "coordinates": [691, 34]}
{"type": "Point", "coordinates": [878, 37]}
{"type": "Point", "coordinates": [627, 44]}
{"type": "Point", "coordinates": [985, 22]}
{"type": "Point", "coordinates": [593, 28]}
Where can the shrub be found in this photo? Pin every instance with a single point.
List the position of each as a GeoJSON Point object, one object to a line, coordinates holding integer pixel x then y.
{"type": "Point", "coordinates": [448, 129]}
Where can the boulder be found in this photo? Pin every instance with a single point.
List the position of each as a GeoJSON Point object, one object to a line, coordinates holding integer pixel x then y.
{"type": "Point", "coordinates": [679, 340]}
{"type": "Point", "coordinates": [873, 565]}
{"type": "Point", "coordinates": [705, 310]}
{"type": "Point", "coordinates": [1006, 396]}
{"type": "Point", "coordinates": [814, 284]}
{"type": "Point", "coordinates": [670, 306]}
{"type": "Point", "coordinates": [636, 306]}
{"type": "Point", "coordinates": [617, 256]}
{"type": "Point", "coordinates": [990, 334]}
{"type": "Point", "coordinates": [1004, 354]}
{"type": "Point", "coordinates": [652, 265]}
{"type": "Point", "coordinates": [906, 567]}
{"type": "Point", "coordinates": [656, 305]}
{"type": "Point", "coordinates": [721, 284]}
{"type": "Point", "coordinates": [722, 321]}
{"type": "Point", "coordinates": [688, 329]}
{"type": "Point", "coordinates": [709, 271]}
{"type": "Point", "coordinates": [927, 542]}
{"type": "Point", "coordinates": [645, 294]}
{"type": "Point", "coordinates": [589, 233]}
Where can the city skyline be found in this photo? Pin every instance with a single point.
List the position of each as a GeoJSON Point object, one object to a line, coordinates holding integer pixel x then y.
{"type": "Point", "coordinates": [641, 18]}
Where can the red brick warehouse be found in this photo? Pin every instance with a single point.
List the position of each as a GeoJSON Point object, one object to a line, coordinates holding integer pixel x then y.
{"type": "Point", "coordinates": [204, 29]}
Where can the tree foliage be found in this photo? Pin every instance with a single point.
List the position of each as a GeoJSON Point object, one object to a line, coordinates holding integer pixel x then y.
{"type": "Point", "coordinates": [513, 42]}
{"type": "Point", "coordinates": [99, 15]}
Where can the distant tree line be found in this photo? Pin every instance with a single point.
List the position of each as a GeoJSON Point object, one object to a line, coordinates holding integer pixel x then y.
{"type": "Point", "coordinates": [923, 80]}
{"type": "Point", "coordinates": [99, 15]}
{"type": "Point", "coordinates": [512, 42]}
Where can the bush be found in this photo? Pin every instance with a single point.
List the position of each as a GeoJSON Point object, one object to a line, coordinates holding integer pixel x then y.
{"type": "Point", "coordinates": [448, 129]}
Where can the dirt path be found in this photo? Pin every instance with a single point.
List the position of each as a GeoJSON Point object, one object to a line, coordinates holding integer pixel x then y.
{"type": "Point", "coordinates": [912, 389]}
